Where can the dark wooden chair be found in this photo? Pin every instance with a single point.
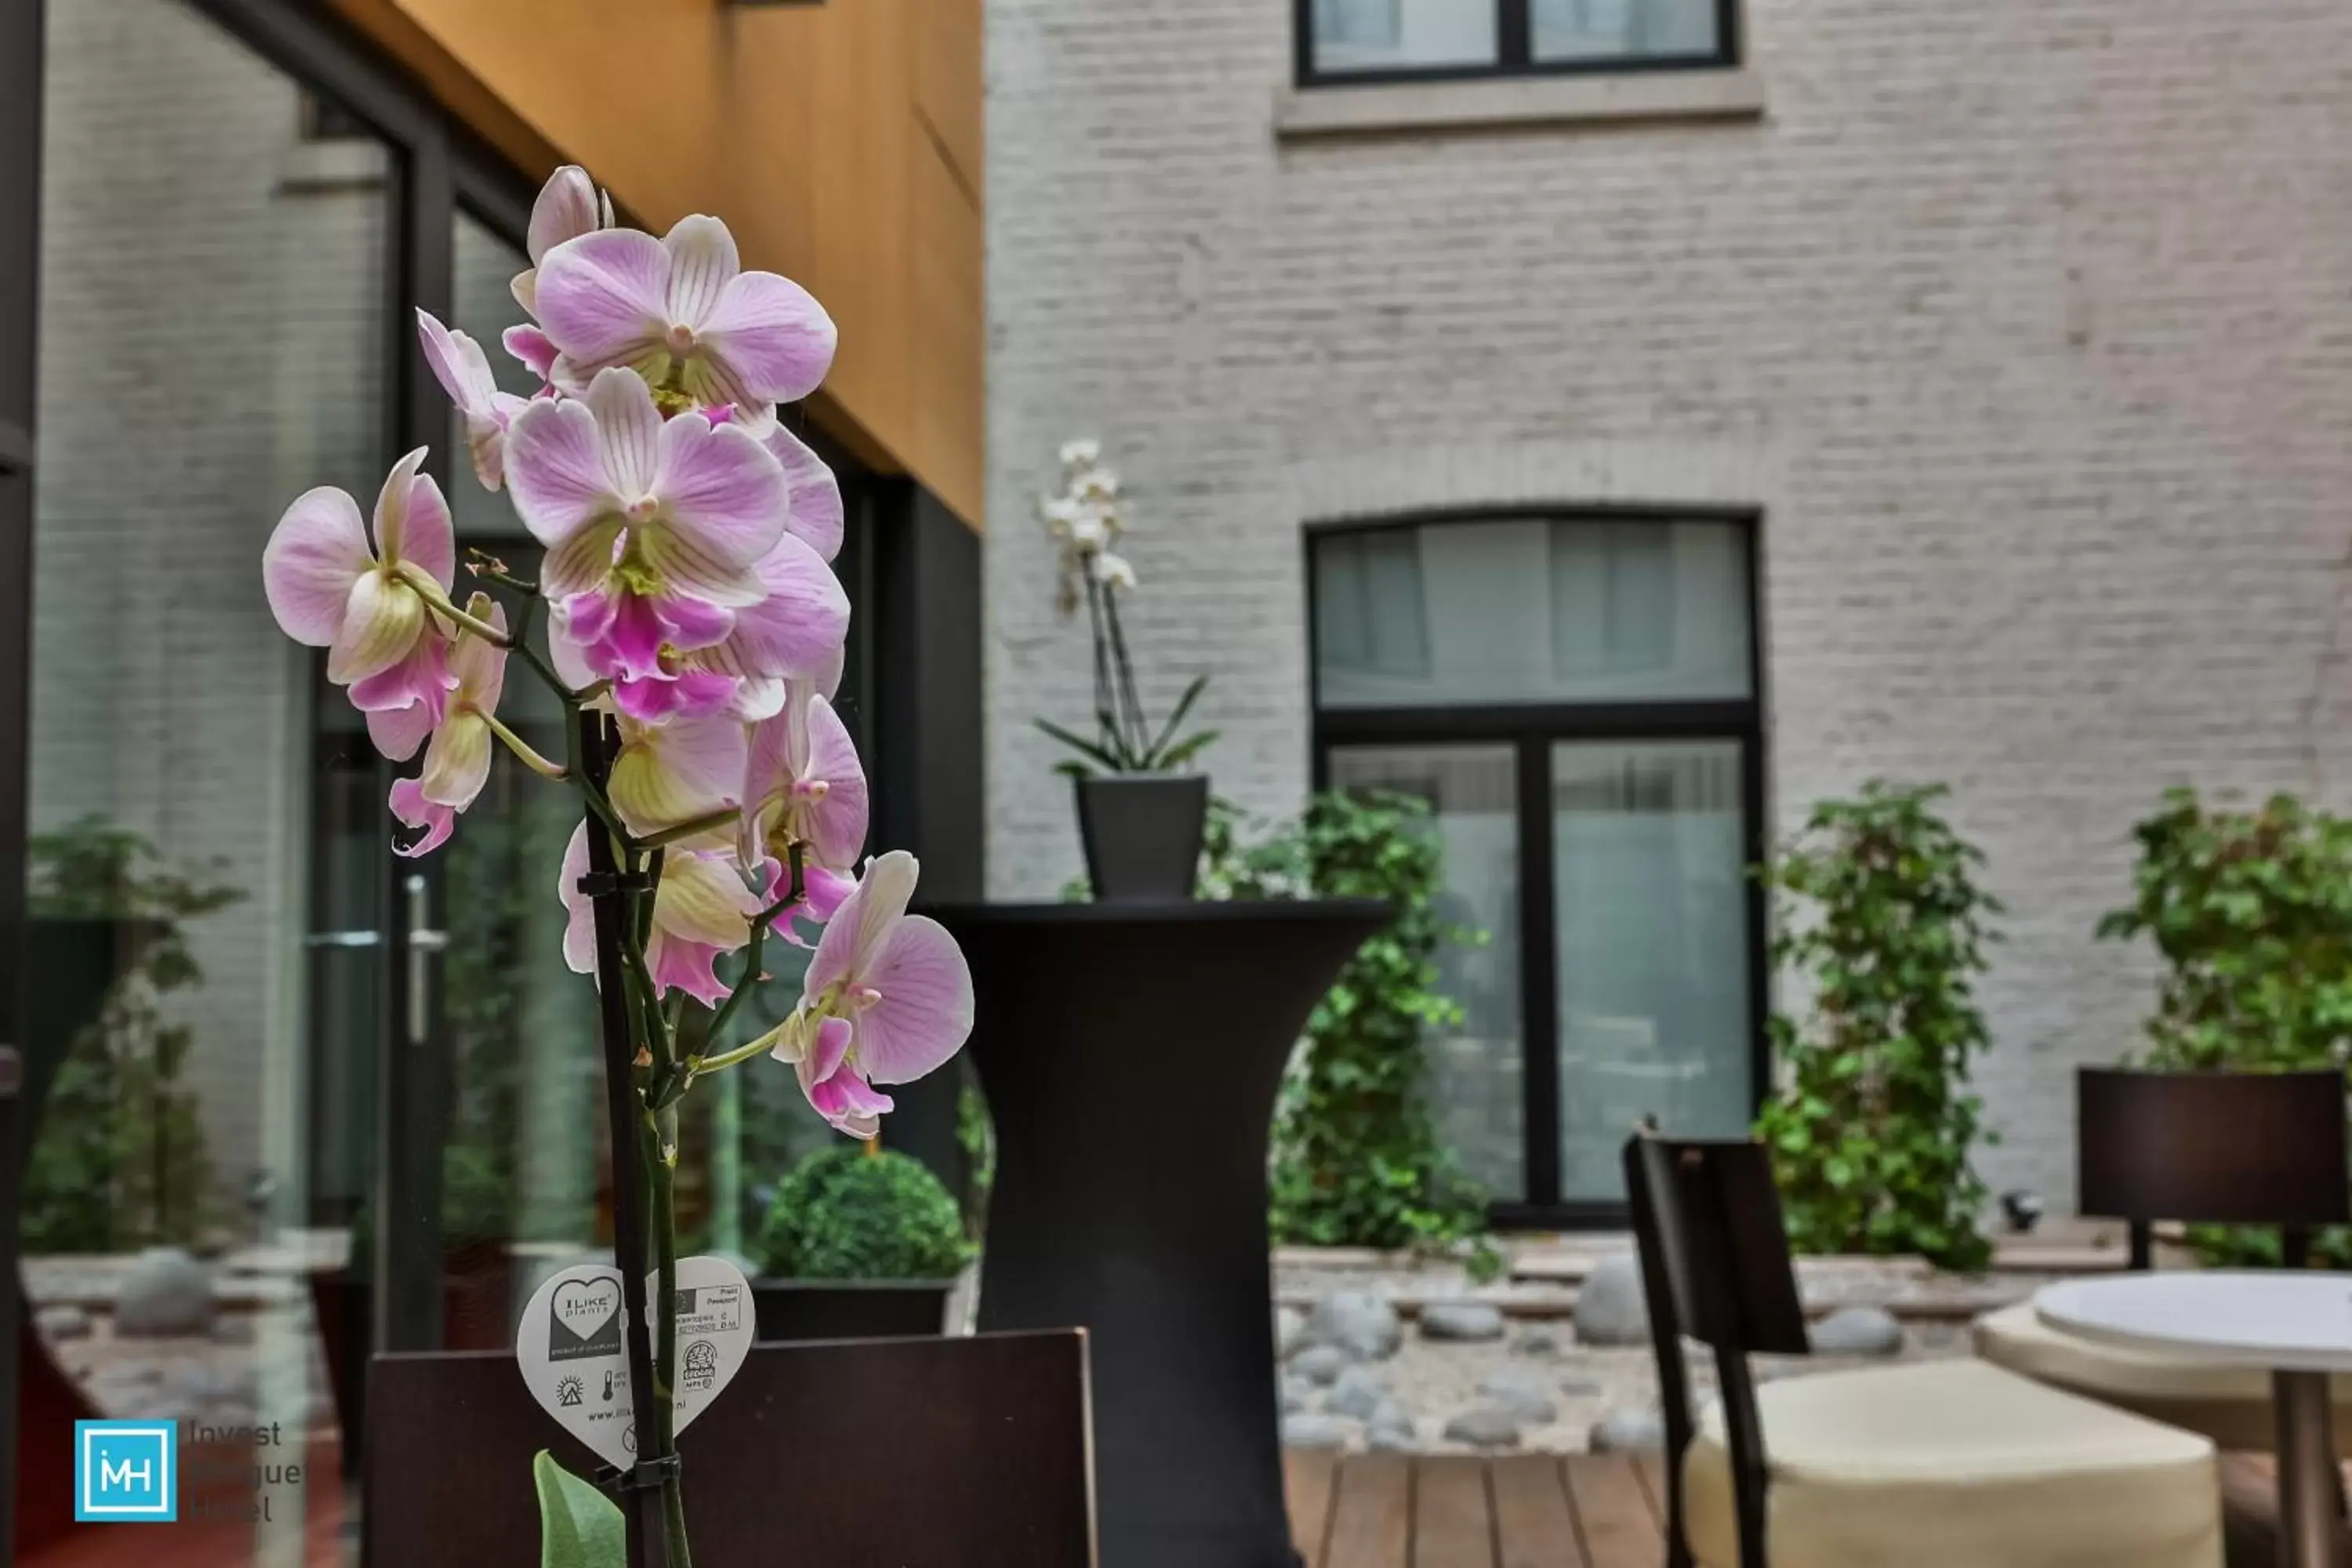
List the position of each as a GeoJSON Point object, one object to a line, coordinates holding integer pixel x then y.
{"type": "Point", "coordinates": [1987, 1461]}
{"type": "Point", "coordinates": [938, 1452]}
{"type": "Point", "coordinates": [1715, 1268]}
{"type": "Point", "coordinates": [2231, 1148]}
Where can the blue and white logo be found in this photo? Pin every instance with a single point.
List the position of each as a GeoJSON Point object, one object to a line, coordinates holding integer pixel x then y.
{"type": "Point", "coordinates": [126, 1472]}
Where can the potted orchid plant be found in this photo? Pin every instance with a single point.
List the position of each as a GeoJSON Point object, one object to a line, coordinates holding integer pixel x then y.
{"type": "Point", "coordinates": [1140, 817]}
{"type": "Point", "coordinates": [686, 619]}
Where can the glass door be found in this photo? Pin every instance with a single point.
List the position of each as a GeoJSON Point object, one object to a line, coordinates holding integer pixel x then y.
{"type": "Point", "coordinates": [1650, 948]}
{"type": "Point", "coordinates": [215, 279]}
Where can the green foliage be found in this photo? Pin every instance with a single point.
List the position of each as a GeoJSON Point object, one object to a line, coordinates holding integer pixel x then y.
{"type": "Point", "coordinates": [578, 1527]}
{"type": "Point", "coordinates": [1132, 746]}
{"type": "Point", "coordinates": [1877, 904]}
{"type": "Point", "coordinates": [121, 1161]}
{"type": "Point", "coordinates": [976, 1135]}
{"type": "Point", "coordinates": [857, 1211]}
{"type": "Point", "coordinates": [2251, 913]}
{"type": "Point", "coordinates": [1356, 1155]}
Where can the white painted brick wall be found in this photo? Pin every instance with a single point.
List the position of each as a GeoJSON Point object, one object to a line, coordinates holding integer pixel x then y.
{"type": "Point", "coordinates": [2028, 321]}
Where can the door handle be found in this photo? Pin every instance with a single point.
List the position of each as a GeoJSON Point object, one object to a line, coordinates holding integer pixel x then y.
{"type": "Point", "coordinates": [423, 943]}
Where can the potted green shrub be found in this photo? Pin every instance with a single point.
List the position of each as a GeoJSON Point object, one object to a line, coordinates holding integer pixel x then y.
{"type": "Point", "coordinates": [861, 1242]}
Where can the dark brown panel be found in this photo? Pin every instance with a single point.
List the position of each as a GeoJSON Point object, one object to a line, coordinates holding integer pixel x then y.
{"type": "Point", "coordinates": [948, 1453]}
{"type": "Point", "coordinates": [2248, 1148]}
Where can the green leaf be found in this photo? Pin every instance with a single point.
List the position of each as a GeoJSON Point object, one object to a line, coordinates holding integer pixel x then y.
{"type": "Point", "coordinates": [578, 1527]}
{"type": "Point", "coordinates": [1176, 715]}
{"type": "Point", "coordinates": [1185, 750]}
{"type": "Point", "coordinates": [1087, 748]}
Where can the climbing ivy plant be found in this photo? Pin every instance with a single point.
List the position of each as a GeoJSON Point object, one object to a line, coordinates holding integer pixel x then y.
{"type": "Point", "coordinates": [2251, 913]}
{"type": "Point", "coordinates": [1356, 1158]}
{"type": "Point", "coordinates": [1878, 908]}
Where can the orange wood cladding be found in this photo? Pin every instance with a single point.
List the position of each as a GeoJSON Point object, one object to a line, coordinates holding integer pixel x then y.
{"type": "Point", "coordinates": [840, 142]}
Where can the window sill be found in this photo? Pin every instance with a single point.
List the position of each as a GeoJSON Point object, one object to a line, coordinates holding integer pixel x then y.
{"type": "Point", "coordinates": [1302, 113]}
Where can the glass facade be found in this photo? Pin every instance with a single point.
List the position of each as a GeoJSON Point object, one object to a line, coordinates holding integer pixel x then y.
{"type": "Point", "coordinates": [1575, 695]}
{"type": "Point", "coordinates": [289, 1097]}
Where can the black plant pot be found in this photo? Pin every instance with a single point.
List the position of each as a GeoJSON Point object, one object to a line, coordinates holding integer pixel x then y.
{"type": "Point", "coordinates": [1142, 834]}
{"type": "Point", "coordinates": [800, 1309]}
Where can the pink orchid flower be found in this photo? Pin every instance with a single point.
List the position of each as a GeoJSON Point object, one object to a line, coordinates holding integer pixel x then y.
{"type": "Point", "coordinates": [463, 373]}
{"type": "Point", "coordinates": [673, 772]}
{"type": "Point", "coordinates": [682, 311]}
{"type": "Point", "coordinates": [567, 206]}
{"type": "Point", "coordinates": [701, 908]}
{"type": "Point", "coordinates": [458, 763]}
{"type": "Point", "coordinates": [653, 530]}
{"type": "Point", "coordinates": [817, 515]}
{"type": "Point", "coordinates": [371, 609]}
{"type": "Point", "coordinates": [887, 999]}
{"type": "Point", "coordinates": [803, 785]}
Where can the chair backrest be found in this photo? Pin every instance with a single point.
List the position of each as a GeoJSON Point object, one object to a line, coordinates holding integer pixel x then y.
{"type": "Point", "coordinates": [2242, 1148]}
{"type": "Point", "coordinates": [938, 1452]}
{"type": "Point", "coordinates": [1715, 1267]}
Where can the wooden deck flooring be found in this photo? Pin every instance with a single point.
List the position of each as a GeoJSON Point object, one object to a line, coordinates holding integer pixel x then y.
{"type": "Point", "coordinates": [1522, 1510]}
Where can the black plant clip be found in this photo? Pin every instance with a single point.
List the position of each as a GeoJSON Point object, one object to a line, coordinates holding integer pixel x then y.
{"type": "Point", "coordinates": [600, 884]}
{"type": "Point", "coordinates": [645, 1476]}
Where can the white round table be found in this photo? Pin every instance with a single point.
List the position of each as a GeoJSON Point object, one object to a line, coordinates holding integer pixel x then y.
{"type": "Point", "coordinates": [2296, 1324]}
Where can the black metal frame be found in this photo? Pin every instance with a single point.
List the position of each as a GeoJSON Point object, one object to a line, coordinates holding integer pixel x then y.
{"type": "Point", "coordinates": [1514, 53]}
{"type": "Point", "coordinates": [1530, 728]}
{"type": "Point", "coordinates": [21, 58]}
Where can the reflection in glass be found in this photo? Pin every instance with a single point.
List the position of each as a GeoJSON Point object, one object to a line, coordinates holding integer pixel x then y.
{"type": "Point", "coordinates": [211, 335]}
{"type": "Point", "coordinates": [1475, 1066]}
{"type": "Point", "coordinates": [1401, 35]}
{"type": "Point", "coordinates": [1623, 29]}
{"type": "Point", "coordinates": [1651, 908]}
{"type": "Point", "coordinates": [1532, 611]}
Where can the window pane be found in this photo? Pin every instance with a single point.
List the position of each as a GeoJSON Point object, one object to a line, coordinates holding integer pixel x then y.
{"type": "Point", "coordinates": [1401, 35]}
{"type": "Point", "coordinates": [1475, 1064]}
{"type": "Point", "coordinates": [213, 329]}
{"type": "Point", "coordinates": [1650, 895]}
{"type": "Point", "coordinates": [1623, 29]}
{"type": "Point", "coordinates": [1591, 611]}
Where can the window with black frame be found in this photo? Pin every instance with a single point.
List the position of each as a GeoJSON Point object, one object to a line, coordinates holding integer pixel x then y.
{"type": "Point", "coordinates": [1375, 40]}
{"type": "Point", "coordinates": [1576, 697]}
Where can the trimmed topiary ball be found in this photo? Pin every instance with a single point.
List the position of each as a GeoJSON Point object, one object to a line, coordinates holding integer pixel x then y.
{"type": "Point", "coordinates": [851, 1213]}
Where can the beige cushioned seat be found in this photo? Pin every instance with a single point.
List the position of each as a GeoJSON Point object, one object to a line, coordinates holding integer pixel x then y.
{"type": "Point", "coordinates": [1958, 1464]}
{"type": "Point", "coordinates": [2231, 1404]}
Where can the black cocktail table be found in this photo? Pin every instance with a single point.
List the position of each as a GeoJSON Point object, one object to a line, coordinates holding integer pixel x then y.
{"type": "Point", "coordinates": [1131, 1054]}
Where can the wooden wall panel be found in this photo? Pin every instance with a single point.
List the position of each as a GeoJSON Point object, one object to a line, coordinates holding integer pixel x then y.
{"type": "Point", "coordinates": [840, 142]}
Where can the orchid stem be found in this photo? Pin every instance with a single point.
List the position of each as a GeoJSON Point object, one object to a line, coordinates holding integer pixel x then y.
{"type": "Point", "coordinates": [794, 893]}
{"type": "Point", "coordinates": [691, 826]}
{"type": "Point", "coordinates": [525, 753]}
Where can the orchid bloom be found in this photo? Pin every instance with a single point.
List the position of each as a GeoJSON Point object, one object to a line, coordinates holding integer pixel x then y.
{"type": "Point", "coordinates": [818, 516]}
{"type": "Point", "coordinates": [463, 370]}
{"type": "Point", "coordinates": [803, 786]}
{"type": "Point", "coordinates": [457, 762]}
{"type": "Point", "coordinates": [653, 530]}
{"type": "Point", "coordinates": [701, 908]}
{"type": "Point", "coordinates": [671, 773]}
{"type": "Point", "coordinates": [887, 999]}
{"type": "Point", "coordinates": [682, 311]}
{"type": "Point", "coordinates": [1086, 519]}
{"type": "Point", "coordinates": [372, 610]}
{"type": "Point", "coordinates": [566, 208]}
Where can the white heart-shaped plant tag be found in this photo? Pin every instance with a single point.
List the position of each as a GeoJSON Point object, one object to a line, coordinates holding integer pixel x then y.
{"type": "Point", "coordinates": [715, 1327]}
{"type": "Point", "coordinates": [574, 1357]}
